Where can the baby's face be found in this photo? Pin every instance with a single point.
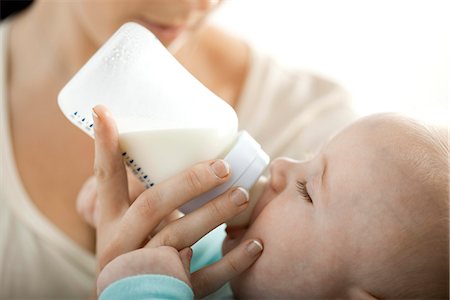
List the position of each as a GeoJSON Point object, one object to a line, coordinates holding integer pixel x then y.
{"type": "Point", "coordinates": [329, 223]}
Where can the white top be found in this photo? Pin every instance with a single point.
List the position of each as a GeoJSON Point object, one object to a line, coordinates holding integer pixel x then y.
{"type": "Point", "coordinates": [288, 113]}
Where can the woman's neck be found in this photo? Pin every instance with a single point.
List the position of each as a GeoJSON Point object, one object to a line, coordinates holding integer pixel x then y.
{"type": "Point", "coordinates": [47, 46]}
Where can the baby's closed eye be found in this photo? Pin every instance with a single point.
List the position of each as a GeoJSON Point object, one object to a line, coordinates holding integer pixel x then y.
{"type": "Point", "coordinates": [303, 191]}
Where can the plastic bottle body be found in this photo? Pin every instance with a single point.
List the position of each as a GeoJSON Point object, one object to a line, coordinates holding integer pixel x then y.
{"type": "Point", "coordinates": [167, 119]}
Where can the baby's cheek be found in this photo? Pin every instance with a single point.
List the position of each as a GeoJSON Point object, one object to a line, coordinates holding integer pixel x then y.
{"type": "Point", "coordinates": [267, 276]}
{"type": "Point", "coordinates": [286, 227]}
{"type": "Point", "coordinates": [257, 281]}
{"type": "Point", "coordinates": [271, 276]}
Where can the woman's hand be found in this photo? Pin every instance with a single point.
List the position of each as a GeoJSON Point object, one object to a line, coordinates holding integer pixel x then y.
{"type": "Point", "coordinates": [123, 227]}
{"type": "Point", "coordinates": [87, 204]}
{"type": "Point", "coordinates": [168, 261]}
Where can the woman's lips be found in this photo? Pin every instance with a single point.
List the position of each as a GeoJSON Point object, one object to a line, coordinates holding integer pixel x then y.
{"type": "Point", "coordinates": [164, 32]}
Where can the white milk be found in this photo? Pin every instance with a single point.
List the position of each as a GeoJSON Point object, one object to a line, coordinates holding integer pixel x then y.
{"type": "Point", "coordinates": [162, 153]}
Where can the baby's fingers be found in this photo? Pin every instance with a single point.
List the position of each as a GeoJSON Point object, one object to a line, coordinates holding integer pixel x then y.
{"type": "Point", "coordinates": [209, 279]}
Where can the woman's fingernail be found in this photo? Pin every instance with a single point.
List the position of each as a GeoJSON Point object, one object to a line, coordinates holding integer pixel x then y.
{"type": "Point", "coordinates": [254, 247]}
{"type": "Point", "coordinates": [220, 168]}
{"type": "Point", "coordinates": [239, 196]}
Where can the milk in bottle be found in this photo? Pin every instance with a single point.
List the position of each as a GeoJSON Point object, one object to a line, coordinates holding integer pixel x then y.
{"type": "Point", "coordinates": [167, 120]}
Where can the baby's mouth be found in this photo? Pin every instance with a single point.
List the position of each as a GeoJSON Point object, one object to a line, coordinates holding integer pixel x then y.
{"type": "Point", "coordinates": [266, 197]}
{"type": "Point", "coordinates": [236, 233]}
{"type": "Point", "coordinates": [236, 230]}
{"type": "Point", "coordinates": [243, 219]}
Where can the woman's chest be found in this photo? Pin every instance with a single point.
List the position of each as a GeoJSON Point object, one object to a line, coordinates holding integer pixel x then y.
{"type": "Point", "coordinates": [53, 159]}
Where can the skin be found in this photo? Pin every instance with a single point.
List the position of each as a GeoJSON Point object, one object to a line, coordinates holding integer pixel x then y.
{"type": "Point", "coordinates": [342, 253]}
{"type": "Point", "coordinates": [371, 231]}
{"type": "Point", "coordinates": [48, 43]}
{"type": "Point", "coordinates": [129, 241]}
{"type": "Point", "coordinates": [376, 225]}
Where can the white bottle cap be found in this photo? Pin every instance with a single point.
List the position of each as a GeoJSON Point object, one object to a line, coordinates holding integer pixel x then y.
{"type": "Point", "coordinates": [247, 163]}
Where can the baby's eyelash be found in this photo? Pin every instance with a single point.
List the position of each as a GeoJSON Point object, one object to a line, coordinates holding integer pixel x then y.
{"type": "Point", "coordinates": [301, 188]}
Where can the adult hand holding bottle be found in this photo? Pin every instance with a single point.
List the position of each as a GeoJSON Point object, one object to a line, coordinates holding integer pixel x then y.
{"type": "Point", "coordinates": [124, 244]}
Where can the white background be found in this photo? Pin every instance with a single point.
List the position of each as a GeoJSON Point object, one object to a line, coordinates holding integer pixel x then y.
{"type": "Point", "coordinates": [391, 55]}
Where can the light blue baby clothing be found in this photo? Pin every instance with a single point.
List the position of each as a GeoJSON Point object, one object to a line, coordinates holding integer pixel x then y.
{"type": "Point", "coordinates": [154, 286]}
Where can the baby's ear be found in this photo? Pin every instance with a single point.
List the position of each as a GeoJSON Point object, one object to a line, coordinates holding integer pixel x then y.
{"type": "Point", "coordinates": [359, 293]}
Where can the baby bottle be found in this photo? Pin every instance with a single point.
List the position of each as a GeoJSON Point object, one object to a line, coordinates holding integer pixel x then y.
{"type": "Point", "coordinates": [167, 120]}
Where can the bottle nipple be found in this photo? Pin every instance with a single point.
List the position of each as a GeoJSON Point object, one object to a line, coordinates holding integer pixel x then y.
{"type": "Point", "coordinates": [243, 218]}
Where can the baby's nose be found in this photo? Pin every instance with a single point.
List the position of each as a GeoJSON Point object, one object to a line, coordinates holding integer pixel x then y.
{"type": "Point", "coordinates": [280, 170]}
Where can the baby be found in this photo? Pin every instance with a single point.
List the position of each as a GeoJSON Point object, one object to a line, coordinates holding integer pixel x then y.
{"type": "Point", "coordinates": [366, 218]}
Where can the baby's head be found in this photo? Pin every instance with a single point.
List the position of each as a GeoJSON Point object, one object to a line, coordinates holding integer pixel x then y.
{"type": "Point", "coordinates": [366, 217]}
